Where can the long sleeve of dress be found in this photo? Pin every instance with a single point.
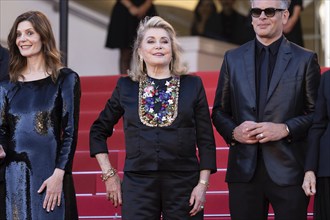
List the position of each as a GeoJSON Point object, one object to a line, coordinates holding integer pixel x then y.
{"type": "Point", "coordinates": [70, 94]}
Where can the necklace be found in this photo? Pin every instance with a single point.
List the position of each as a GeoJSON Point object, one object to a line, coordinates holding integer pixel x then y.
{"type": "Point", "coordinates": [150, 95]}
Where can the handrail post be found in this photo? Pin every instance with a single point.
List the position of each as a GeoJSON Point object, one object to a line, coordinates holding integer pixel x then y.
{"type": "Point", "coordinates": [64, 31]}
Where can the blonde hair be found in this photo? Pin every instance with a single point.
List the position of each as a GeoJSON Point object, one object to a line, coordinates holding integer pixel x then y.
{"type": "Point", "coordinates": [51, 54]}
{"type": "Point", "coordinates": [138, 70]}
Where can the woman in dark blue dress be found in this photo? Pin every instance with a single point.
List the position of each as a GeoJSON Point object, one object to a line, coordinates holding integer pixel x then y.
{"type": "Point", "coordinates": [39, 109]}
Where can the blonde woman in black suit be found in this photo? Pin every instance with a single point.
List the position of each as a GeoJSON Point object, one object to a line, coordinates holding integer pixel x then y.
{"type": "Point", "coordinates": [166, 115]}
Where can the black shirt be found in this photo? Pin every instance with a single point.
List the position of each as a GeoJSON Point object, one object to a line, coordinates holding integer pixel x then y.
{"type": "Point", "coordinates": [273, 48]}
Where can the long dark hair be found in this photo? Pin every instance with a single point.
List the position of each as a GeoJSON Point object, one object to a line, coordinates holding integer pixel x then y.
{"type": "Point", "coordinates": [51, 54]}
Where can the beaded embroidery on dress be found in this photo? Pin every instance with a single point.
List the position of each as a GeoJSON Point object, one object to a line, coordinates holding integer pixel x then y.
{"type": "Point", "coordinates": [151, 95]}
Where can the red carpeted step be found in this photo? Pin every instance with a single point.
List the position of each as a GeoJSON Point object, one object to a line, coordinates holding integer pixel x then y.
{"type": "Point", "coordinates": [210, 79]}
{"type": "Point", "coordinates": [222, 157]}
{"type": "Point", "coordinates": [96, 205]}
{"type": "Point", "coordinates": [216, 217]}
{"type": "Point", "coordinates": [88, 117]}
{"type": "Point", "coordinates": [210, 95]}
{"type": "Point", "coordinates": [84, 183]}
{"type": "Point", "coordinates": [217, 203]}
{"type": "Point", "coordinates": [115, 142]}
{"type": "Point", "coordinates": [98, 83]}
{"type": "Point", "coordinates": [217, 181]}
{"type": "Point", "coordinates": [324, 69]}
{"type": "Point", "coordinates": [94, 101]}
{"type": "Point", "coordinates": [310, 205]}
{"type": "Point", "coordinates": [83, 162]}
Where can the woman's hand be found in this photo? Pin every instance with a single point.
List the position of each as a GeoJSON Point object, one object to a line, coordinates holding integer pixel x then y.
{"type": "Point", "coordinates": [112, 183]}
{"type": "Point", "coordinates": [197, 198]}
{"type": "Point", "coordinates": [113, 189]}
{"type": "Point", "coordinates": [53, 186]}
{"type": "Point", "coordinates": [309, 184]}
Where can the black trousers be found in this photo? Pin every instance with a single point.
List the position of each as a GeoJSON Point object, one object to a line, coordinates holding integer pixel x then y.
{"type": "Point", "coordinates": [250, 201]}
{"type": "Point", "coordinates": [322, 199]}
{"type": "Point", "coordinates": [152, 194]}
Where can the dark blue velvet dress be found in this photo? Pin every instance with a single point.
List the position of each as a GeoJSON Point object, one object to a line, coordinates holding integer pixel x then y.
{"type": "Point", "coordinates": [39, 125]}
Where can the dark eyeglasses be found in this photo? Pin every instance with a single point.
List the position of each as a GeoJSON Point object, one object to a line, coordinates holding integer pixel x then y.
{"type": "Point", "coordinates": [269, 12]}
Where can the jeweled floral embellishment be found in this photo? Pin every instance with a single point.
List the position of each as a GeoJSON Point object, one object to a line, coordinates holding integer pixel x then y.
{"type": "Point", "coordinates": [150, 95]}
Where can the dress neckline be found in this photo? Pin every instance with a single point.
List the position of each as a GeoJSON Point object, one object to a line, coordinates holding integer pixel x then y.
{"type": "Point", "coordinates": [163, 79]}
{"type": "Point", "coordinates": [36, 80]}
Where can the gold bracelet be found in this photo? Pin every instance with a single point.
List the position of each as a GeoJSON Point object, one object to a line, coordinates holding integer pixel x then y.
{"type": "Point", "coordinates": [233, 140]}
{"type": "Point", "coordinates": [110, 173]}
{"type": "Point", "coordinates": [204, 182]}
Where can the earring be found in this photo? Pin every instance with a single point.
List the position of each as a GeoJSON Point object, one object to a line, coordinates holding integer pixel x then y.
{"type": "Point", "coordinates": [141, 64]}
{"type": "Point", "coordinates": [171, 65]}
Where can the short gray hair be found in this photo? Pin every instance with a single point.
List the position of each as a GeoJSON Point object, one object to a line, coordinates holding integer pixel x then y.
{"type": "Point", "coordinates": [285, 4]}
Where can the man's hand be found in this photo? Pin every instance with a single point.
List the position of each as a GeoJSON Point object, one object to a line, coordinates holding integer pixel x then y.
{"type": "Point", "coordinates": [268, 131]}
{"type": "Point", "coordinates": [244, 132]}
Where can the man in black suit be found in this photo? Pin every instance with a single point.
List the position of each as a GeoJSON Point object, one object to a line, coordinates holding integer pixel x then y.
{"type": "Point", "coordinates": [263, 109]}
{"type": "Point", "coordinates": [4, 57]}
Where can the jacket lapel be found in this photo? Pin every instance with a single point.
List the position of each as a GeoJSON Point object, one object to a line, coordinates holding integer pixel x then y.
{"type": "Point", "coordinates": [249, 66]}
{"type": "Point", "coordinates": [283, 57]}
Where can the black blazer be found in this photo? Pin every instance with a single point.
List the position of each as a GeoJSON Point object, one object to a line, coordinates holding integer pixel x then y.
{"type": "Point", "coordinates": [159, 148]}
{"type": "Point", "coordinates": [318, 156]}
{"type": "Point", "coordinates": [290, 100]}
